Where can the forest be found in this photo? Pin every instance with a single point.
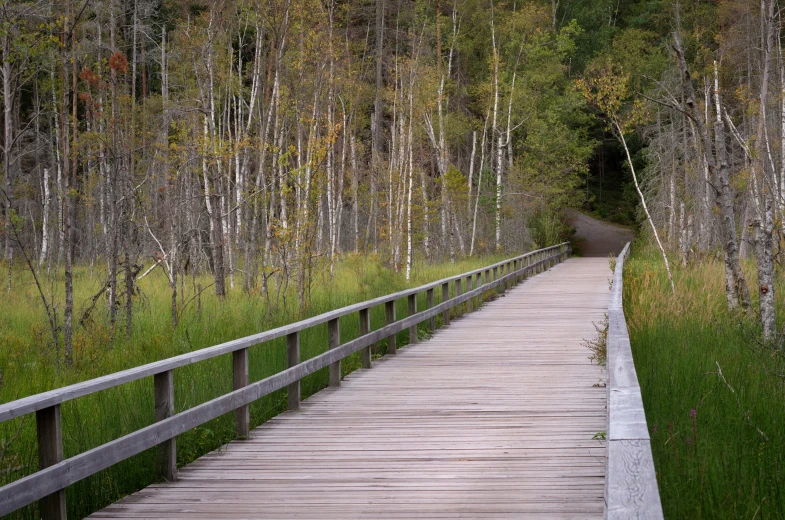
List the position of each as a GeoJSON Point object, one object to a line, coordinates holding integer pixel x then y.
{"type": "Point", "coordinates": [253, 141]}
{"type": "Point", "coordinates": [177, 173]}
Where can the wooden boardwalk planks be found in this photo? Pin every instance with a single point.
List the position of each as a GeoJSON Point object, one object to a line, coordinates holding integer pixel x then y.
{"type": "Point", "coordinates": [491, 418]}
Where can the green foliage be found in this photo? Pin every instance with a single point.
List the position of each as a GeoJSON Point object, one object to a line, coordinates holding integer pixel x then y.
{"type": "Point", "coordinates": [547, 227]}
{"type": "Point", "coordinates": [711, 392]}
{"type": "Point", "coordinates": [28, 366]}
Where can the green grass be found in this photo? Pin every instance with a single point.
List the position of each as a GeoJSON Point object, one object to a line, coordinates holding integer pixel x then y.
{"type": "Point", "coordinates": [28, 364]}
{"type": "Point", "coordinates": [729, 460]}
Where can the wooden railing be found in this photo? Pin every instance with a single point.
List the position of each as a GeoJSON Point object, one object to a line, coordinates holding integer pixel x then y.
{"type": "Point", "coordinates": [630, 482]}
{"type": "Point", "coordinates": [55, 474]}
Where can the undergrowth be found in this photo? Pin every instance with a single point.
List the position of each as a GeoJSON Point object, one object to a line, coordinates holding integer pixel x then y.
{"type": "Point", "coordinates": [713, 394]}
{"type": "Point", "coordinates": [27, 363]}
{"type": "Point", "coordinates": [599, 344]}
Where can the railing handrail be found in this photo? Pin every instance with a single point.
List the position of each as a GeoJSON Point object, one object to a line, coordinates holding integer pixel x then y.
{"type": "Point", "coordinates": [55, 474]}
{"type": "Point", "coordinates": [42, 400]}
{"type": "Point", "coordinates": [630, 482]}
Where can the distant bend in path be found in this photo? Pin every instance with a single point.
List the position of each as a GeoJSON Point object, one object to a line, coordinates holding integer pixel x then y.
{"type": "Point", "coordinates": [599, 238]}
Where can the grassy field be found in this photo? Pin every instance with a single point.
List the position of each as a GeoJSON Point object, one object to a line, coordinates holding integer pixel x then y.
{"type": "Point", "coordinates": [714, 396]}
{"type": "Point", "coordinates": [28, 366]}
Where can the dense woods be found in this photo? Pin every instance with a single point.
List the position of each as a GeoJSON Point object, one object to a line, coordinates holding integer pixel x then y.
{"type": "Point", "coordinates": [253, 140]}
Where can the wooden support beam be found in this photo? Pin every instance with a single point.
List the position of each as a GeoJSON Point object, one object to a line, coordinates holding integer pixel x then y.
{"type": "Point", "coordinates": [429, 299]}
{"type": "Point", "coordinates": [389, 315]}
{"type": "Point", "coordinates": [445, 297]}
{"type": "Point", "coordinates": [412, 310]}
{"type": "Point", "coordinates": [458, 292]}
{"type": "Point", "coordinates": [469, 303]}
{"type": "Point", "coordinates": [365, 327]}
{"type": "Point", "coordinates": [50, 451]}
{"type": "Point", "coordinates": [334, 341]}
{"type": "Point", "coordinates": [292, 359]}
{"type": "Point", "coordinates": [164, 408]}
{"type": "Point", "coordinates": [242, 416]}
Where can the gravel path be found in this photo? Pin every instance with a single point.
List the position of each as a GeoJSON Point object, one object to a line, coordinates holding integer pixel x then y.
{"type": "Point", "coordinates": [598, 238]}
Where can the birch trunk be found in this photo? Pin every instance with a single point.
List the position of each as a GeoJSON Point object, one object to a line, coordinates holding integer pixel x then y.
{"type": "Point", "coordinates": [736, 288]}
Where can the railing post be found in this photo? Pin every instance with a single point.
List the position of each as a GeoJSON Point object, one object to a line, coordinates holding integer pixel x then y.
{"type": "Point", "coordinates": [365, 328]}
{"type": "Point", "coordinates": [445, 297]}
{"type": "Point", "coordinates": [429, 300]}
{"type": "Point", "coordinates": [242, 417]}
{"type": "Point", "coordinates": [514, 272]}
{"type": "Point", "coordinates": [458, 292]}
{"type": "Point", "coordinates": [292, 359]}
{"type": "Point", "coordinates": [496, 277]}
{"type": "Point", "coordinates": [164, 408]}
{"type": "Point", "coordinates": [469, 302]}
{"type": "Point", "coordinates": [389, 314]}
{"type": "Point", "coordinates": [334, 341]}
{"type": "Point", "coordinates": [478, 283]}
{"type": "Point", "coordinates": [412, 310]}
{"type": "Point", "coordinates": [50, 451]}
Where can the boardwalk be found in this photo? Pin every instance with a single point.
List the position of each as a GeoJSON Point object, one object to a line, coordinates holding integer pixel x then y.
{"type": "Point", "coordinates": [491, 418]}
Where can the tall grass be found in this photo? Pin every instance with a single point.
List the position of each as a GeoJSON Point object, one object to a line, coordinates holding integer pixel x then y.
{"type": "Point", "coordinates": [28, 365]}
{"type": "Point", "coordinates": [714, 395]}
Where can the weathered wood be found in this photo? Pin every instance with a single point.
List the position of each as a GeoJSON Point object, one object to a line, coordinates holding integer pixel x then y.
{"type": "Point", "coordinates": [445, 297]}
{"type": "Point", "coordinates": [429, 300]}
{"type": "Point", "coordinates": [366, 354]}
{"type": "Point", "coordinates": [164, 409]}
{"type": "Point", "coordinates": [334, 341]}
{"type": "Point", "coordinates": [54, 478]}
{"type": "Point", "coordinates": [631, 485]}
{"type": "Point", "coordinates": [49, 426]}
{"type": "Point", "coordinates": [242, 417]}
{"type": "Point", "coordinates": [469, 287]}
{"type": "Point", "coordinates": [33, 487]}
{"type": "Point", "coordinates": [389, 317]}
{"type": "Point", "coordinates": [44, 400]}
{"type": "Point", "coordinates": [412, 310]}
{"type": "Point", "coordinates": [292, 360]}
{"type": "Point", "coordinates": [504, 435]}
{"type": "Point", "coordinates": [458, 292]}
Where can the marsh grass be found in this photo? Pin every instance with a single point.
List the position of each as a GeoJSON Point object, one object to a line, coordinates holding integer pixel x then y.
{"type": "Point", "coordinates": [714, 395]}
{"type": "Point", "coordinates": [28, 365]}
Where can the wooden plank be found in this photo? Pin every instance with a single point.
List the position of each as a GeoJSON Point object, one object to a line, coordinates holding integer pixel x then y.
{"type": "Point", "coordinates": [36, 486]}
{"type": "Point", "coordinates": [412, 303]}
{"type": "Point", "coordinates": [632, 482]}
{"type": "Point", "coordinates": [438, 431]}
{"type": "Point", "coordinates": [389, 317]}
{"type": "Point", "coordinates": [469, 287]}
{"type": "Point", "coordinates": [49, 426]}
{"type": "Point", "coordinates": [365, 328]}
{"type": "Point", "coordinates": [429, 300]}
{"type": "Point", "coordinates": [334, 341]}
{"type": "Point", "coordinates": [292, 360]}
{"type": "Point", "coordinates": [242, 418]}
{"type": "Point", "coordinates": [46, 399]}
{"type": "Point", "coordinates": [631, 486]}
{"type": "Point", "coordinates": [446, 297]}
{"type": "Point", "coordinates": [458, 292]}
{"type": "Point", "coordinates": [164, 409]}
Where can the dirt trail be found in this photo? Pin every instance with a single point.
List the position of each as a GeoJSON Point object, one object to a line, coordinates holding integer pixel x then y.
{"type": "Point", "coordinates": [597, 238]}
